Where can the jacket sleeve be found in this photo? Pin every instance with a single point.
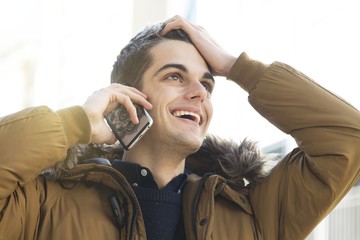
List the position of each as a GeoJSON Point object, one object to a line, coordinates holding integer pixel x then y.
{"type": "Point", "coordinates": [307, 184]}
{"type": "Point", "coordinates": [35, 139]}
{"type": "Point", "coordinates": [30, 141]}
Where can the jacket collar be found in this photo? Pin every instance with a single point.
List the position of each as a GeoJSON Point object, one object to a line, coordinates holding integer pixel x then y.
{"type": "Point", "coordinates": [234, 161]}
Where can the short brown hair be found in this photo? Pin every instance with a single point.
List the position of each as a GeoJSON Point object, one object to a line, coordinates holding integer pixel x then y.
{"type": "Point", "coordinates": [134, 59]}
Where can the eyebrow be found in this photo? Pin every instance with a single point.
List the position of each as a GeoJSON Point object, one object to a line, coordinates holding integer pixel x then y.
{"type": "Point", "coordinates": [182, 68]}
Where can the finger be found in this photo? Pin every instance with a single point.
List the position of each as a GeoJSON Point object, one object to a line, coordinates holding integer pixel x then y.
{"type": "Point", "coordinates": [119, 94]}
{"type": "Point", "coordinates": [126, 96]}
{"type": "Point", "coordinates": [174, 18]}
{"type": "Point", "coordinates": [140, 99]}
{"type": "Point", "coordinates": [124, 87]}
{"type": "Point", "coordinates": [176, 22]}
{"type": "Point", "coordinates": [128, 102]}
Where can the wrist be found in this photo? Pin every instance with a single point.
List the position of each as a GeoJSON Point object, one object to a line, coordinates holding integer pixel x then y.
{"type": "Point", "coordinates": [229, 62]}
{"type": "Point", "coordinates": [246, 72]}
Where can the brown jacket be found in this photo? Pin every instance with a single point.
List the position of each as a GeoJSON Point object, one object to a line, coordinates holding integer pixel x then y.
{"type": "Point", "coordinates": [287, 204]}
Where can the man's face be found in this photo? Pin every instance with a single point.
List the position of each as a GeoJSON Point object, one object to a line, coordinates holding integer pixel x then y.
{"type": "Point", "coordinates": [179, 85]}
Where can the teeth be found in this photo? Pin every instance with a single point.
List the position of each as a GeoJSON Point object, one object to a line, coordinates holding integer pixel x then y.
{"type": "Point", "coordinates": [182, 113]}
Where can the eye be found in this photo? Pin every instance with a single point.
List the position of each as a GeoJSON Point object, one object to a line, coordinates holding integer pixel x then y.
{"type": "Point", "coordinates": [208, 85]}
{"type": "Point", "coordinates": [174, 77]}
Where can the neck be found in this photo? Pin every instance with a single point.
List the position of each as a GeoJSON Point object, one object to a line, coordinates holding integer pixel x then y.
{"type": "Point", "coordinates": [163, 163]}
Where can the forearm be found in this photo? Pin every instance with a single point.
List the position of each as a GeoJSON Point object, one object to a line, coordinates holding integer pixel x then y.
{"type": "Point", "coordinates": [324, 126]}
{"type": "Point", "coordinates": [316, 176]}
{"type": "Point", "coordinates": [35, 139]}
{"type": "Point", "coordinates": [290, 100]}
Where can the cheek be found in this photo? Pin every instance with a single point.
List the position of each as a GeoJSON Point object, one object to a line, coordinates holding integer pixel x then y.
{"type": "Point", "coordinates": [209, 111]}
{"type": "Point", "coordinates": [157, 111]}
{"type": "Point", "coordinates": [160, 98]}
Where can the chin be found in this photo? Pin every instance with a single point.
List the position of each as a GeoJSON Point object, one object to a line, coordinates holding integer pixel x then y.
{"type": "Point", "coordinates": [193, 144]}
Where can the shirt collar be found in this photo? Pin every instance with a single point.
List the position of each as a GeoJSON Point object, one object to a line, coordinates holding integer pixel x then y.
{"type": "Point", "coordinates": [138, 175]}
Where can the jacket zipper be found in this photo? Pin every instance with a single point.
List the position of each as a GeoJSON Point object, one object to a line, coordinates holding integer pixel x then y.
{"type": "Point", "coordinates": [124, 187]}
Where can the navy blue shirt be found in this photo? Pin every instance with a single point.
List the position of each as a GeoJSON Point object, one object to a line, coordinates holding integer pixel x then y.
{"type": "Point", "coordinates": [161, 208]}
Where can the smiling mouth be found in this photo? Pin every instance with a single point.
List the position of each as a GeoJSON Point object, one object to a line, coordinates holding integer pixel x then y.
{"type": "Point", "coordinates": [188, 115]}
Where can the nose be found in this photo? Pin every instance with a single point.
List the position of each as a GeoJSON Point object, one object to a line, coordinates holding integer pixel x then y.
{"type": "Point", "coordinates": [197, 91]}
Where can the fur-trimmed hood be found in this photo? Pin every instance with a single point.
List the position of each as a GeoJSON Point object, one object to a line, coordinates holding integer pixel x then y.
{"type": "Point", "coordinates": [234, 161]}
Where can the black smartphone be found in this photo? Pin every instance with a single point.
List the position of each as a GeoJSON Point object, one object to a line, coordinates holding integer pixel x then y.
{"type": "Point", "coordinates": [124, 129]}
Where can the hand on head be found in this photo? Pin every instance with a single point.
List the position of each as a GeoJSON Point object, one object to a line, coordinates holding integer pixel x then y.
{"type": "Point", "coordinates": [104, 101]}
{"type": "Point", "coordinates": [218, 59]}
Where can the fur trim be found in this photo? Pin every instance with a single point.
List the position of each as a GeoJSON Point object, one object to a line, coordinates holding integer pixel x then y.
{"type": "Point", "coordinates": [82, 152]}
{"type": "Point", "coordinates": [227, 158]}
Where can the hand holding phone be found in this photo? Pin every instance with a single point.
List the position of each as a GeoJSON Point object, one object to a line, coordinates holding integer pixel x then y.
{"type": "Point", "coordinates": [124, 129]}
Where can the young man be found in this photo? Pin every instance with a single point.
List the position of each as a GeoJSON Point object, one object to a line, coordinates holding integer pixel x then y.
{"type": "Point", "coordinates": [150, 193]}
